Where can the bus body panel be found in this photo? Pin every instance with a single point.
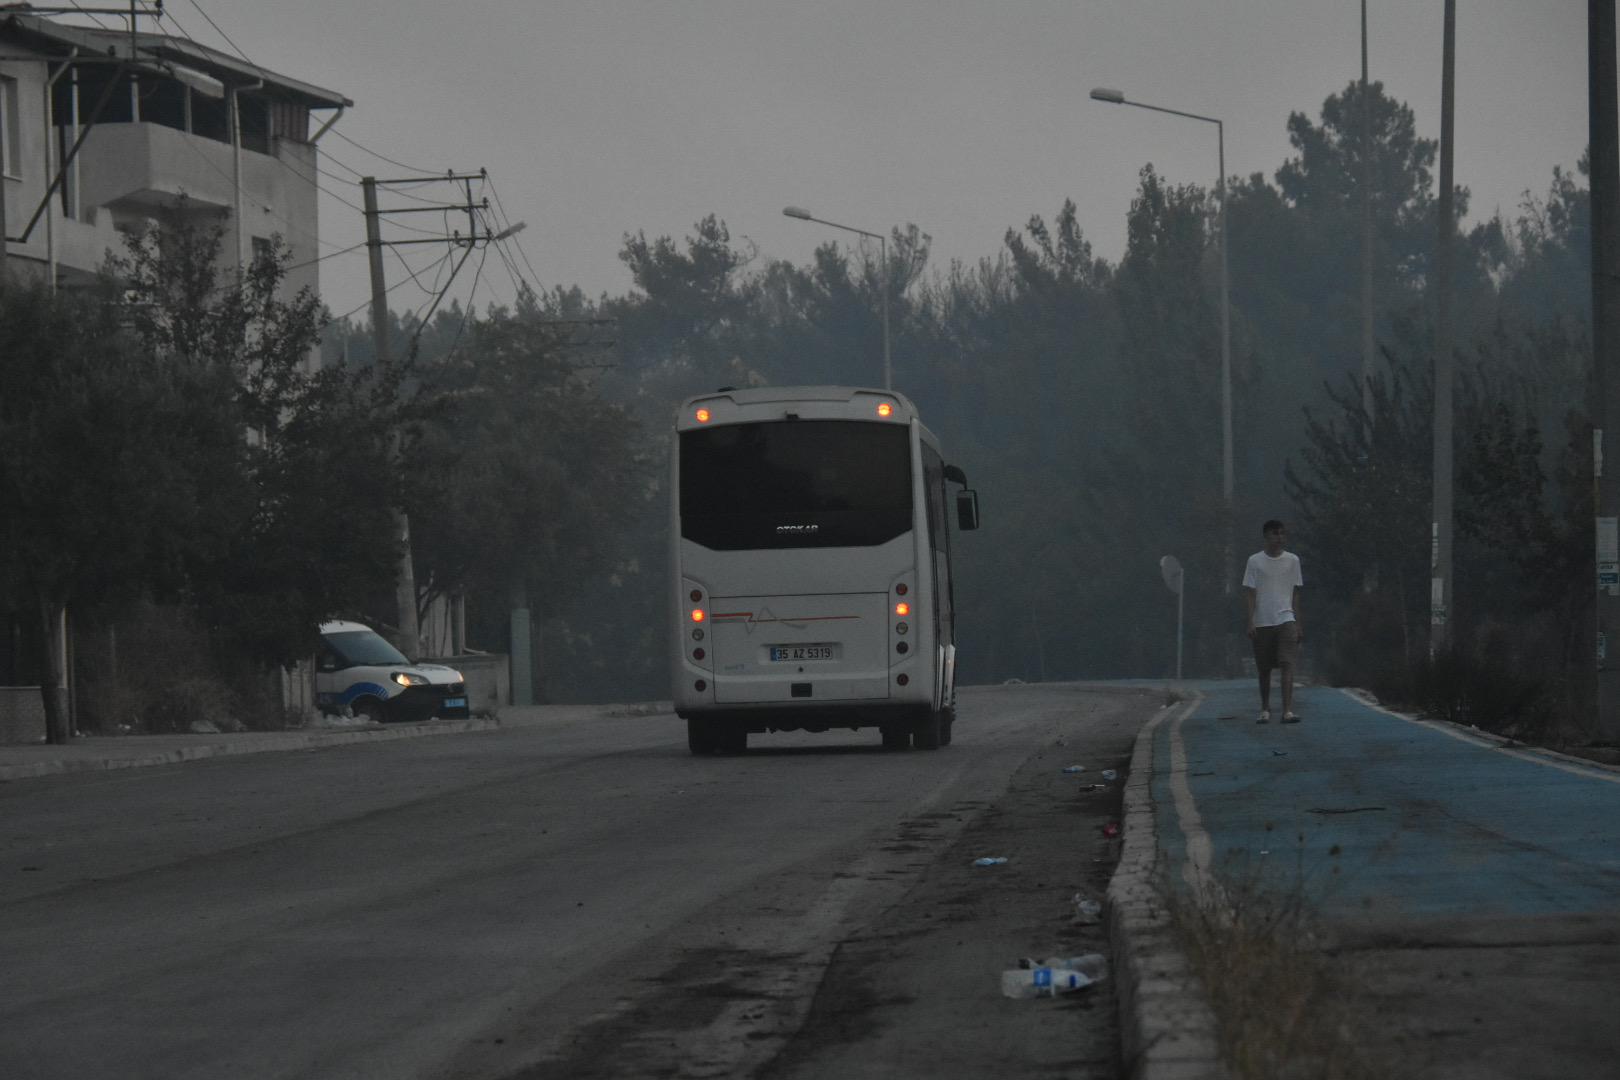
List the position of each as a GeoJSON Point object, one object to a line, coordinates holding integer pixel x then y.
{"type": "Point", "coordinates": [839, 603]}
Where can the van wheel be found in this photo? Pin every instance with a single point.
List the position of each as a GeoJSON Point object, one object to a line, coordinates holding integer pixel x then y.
{"type": "Point", "coordinates": [369, 708]}
{"type": "Point", "coordinates": [925, 732]}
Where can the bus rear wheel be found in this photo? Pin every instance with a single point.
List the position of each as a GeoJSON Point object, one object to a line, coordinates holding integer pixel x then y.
{"type": "Point", "coordinates": [700, 738]}
{"type": "Point", "coordinates": [925, 731]}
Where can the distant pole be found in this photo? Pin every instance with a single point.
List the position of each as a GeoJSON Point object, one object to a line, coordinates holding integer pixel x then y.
{"type": "Point", "coordinates": [1440, 586]}
{"type": "Point", "coordinates": [1366, 229]}
{"type": "Point", "coordinates": [405, 586]}
{"type": "Point", "coordinates": [883, 253]}
{"type": "Point", "coordinates": [802, 214]}
{"type": "Point", "coordinates": [1603, 118]}
{"type": "Point", "coordinates": [1117, 97]}
{"type": "Point", "coordinates": [1175, 579]}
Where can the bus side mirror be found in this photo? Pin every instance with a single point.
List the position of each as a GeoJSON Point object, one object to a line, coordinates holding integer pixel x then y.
{"type": "Point", "coordinates": [967, 509]}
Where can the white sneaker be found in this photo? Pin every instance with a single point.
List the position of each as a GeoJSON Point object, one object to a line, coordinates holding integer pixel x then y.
{"type": "Point", "coordinates": [1265, 717]}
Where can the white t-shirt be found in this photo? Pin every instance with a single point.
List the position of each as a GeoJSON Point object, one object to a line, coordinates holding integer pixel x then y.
{"type": "Point", "coordinates": [1273, 582]}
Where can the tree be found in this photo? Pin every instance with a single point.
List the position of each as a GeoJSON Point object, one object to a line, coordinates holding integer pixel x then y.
{"type": "Point", "coordinates": [525, 479]}
{"type": "Point", "coordinates": [114, 461]}
{"type": "Point", "coordinates": [301, 526]}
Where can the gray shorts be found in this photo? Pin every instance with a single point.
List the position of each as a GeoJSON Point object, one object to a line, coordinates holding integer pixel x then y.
{"type": "Point", "coordinates": [1274, 646]}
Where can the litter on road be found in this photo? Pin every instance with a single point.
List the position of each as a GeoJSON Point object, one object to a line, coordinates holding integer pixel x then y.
{"type": "Point", "coordinates": [1075, 768]}
{"type": "Point", "coordinates": [1053, 976]}
{"type": "Point", "coordinates": [989, 861]}
{"type": "Point", "coordinates": [1086, 912]}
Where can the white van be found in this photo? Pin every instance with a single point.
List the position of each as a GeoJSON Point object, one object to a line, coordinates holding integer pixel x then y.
{"type": "Point", "coordinates": [359, 671]}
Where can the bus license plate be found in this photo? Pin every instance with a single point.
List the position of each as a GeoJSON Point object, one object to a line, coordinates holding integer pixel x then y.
{"type": "Point", "coordinates": [804, 652]}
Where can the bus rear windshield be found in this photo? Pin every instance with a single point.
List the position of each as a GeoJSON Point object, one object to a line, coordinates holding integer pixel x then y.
{"type": "Point", "coordinates": [795, 484]}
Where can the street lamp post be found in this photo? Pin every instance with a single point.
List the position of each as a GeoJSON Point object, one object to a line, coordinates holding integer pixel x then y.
{"type": "Point", "coordinates": [1116, 97]}
{"type": "Point", "coordinates": [804, 215]}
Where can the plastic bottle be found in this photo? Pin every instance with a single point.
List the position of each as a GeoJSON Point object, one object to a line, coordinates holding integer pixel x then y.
{"type": "Point", "coordinates": [1041, 982]}
{"type": "Point", "coordinates": [1093, 966]}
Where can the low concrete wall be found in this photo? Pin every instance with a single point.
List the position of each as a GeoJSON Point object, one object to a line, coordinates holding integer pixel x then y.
{"type": "Point", "coordinates": [22, 715]}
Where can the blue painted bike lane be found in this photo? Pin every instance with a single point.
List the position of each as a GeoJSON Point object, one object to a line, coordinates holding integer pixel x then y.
{"type": "Point", "coordinates": [1371, 814]}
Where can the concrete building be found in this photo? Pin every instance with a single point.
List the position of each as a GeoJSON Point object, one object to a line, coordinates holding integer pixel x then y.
{"type": "Point", "coordinates": [153, 117]}
{"type": "Point", "coordinates": [140, 119]}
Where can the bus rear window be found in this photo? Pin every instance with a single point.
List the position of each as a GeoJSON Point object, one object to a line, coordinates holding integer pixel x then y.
{"type": "Point", "coordinates": [795, 483]}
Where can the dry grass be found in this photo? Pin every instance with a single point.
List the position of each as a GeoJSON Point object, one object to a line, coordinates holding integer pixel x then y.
{"type": "Point", "coordinates": [1284, 1010]}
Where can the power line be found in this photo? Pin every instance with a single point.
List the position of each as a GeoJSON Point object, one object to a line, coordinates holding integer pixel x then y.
{"type": "Point", "coordinates": [427, 174]}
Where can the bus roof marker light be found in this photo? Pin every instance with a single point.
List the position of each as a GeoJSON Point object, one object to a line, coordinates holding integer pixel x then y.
{"type": "Point", "coordinates": [884, 408]}
{"type": "Point", "coordinates": [702, 416]}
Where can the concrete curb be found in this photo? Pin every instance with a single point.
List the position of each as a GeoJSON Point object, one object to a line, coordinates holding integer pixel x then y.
{"type": "Point", "coordinates": [1167, 1030]}
{"type": "Point", "coordinates": [123, 755]}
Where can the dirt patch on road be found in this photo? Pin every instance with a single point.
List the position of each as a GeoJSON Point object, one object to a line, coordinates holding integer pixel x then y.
{"type": "Point", "coordinates": [917, 992]}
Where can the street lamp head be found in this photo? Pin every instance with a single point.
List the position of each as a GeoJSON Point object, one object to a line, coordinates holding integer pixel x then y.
{"type": "Point", "coordinates": [1102, 93]}
{"type": "Point", "coordinates": [796, 211]}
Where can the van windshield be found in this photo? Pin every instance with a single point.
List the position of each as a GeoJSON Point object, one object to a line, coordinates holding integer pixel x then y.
{"type": "Point", "coordinates": [356, 647]}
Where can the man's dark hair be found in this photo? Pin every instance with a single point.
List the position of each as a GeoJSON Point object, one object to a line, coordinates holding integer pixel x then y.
{"type": "Point", "coordinates": [1272, 524]}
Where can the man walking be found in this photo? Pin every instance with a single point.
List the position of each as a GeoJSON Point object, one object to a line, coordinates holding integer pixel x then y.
{"type": "Point", "coordinates": [1271, 590]}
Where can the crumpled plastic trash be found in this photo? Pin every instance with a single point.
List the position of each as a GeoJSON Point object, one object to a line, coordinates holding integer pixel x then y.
{"type": "Point", "coordinates": [1093, 966]}
{"type": "Point", "coordinates": [1041, 982]}
{"type": "Point", "coordinates": [1111, 829]}
{"type": "Point", "coordinates": [1053, 976]}
{"type": "Point", "coordinates": [1087, 912]}
{"type": "Point", "coordinates": [1075, 768]}
{"type": "Point", "coordinates": [1110, 774]}
{"type": "Point", "coordinates": [989, 861]}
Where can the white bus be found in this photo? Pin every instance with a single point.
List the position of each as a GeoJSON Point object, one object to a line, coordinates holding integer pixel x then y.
{"type": "Point", "coordinates": [811, 567]}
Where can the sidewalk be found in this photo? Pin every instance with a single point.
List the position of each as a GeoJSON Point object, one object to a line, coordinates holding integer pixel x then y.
{"type": "Point", "coordinates": [98, 752]}
{"type": "Point", "coordinates": [1428, 852]}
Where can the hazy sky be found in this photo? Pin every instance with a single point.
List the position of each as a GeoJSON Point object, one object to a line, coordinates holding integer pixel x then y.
{"type": "Point", "coordinates": [601, 117]}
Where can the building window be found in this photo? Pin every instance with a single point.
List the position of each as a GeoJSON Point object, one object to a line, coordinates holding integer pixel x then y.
{"type": "Point", "coordinates": [10, 128]}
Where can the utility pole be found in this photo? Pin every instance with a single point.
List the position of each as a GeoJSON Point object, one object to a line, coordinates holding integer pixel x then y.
{"type": "Point", "coordinates": [1604, 119]}
{"type": "Point", "coordinates": [1366, 230]}
{"type": "Point", "coordinates": [405, 581]}
{"type": "Point", "coordinates": [410, 630]}
{"type": "Point", "coordinates": [1440, 591]}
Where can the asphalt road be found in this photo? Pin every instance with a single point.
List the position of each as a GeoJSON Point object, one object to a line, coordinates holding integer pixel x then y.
{"type": "Point", "coordinates": [568, 898]}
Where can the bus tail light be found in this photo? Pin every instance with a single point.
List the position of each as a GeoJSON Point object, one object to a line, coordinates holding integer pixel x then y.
{"type": "Point", "coordinates": [902, 679]}
{"type": "Point", "coordinates": [902, 608]}
{"type": "Point", "coordinates": [697, 614]}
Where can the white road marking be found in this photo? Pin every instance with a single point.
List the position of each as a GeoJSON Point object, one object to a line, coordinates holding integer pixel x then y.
{"type": "Point", "coordinates": [1588, 771]}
